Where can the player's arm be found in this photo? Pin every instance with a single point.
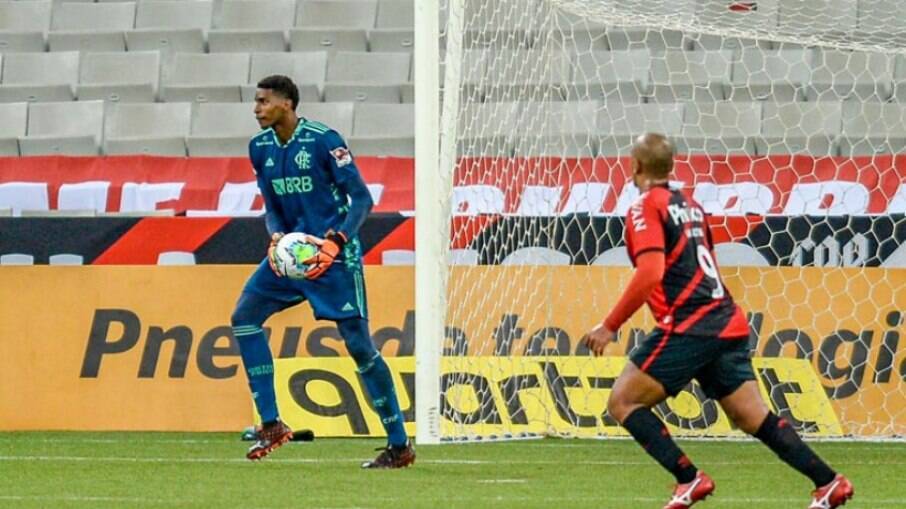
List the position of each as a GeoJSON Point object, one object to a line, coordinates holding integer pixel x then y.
{"type": "Point", "coordinates": [645, 227]}
{"type": "Point", "coordinates": [273, 219]}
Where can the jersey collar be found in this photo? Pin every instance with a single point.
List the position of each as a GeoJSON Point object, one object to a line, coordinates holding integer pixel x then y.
{"type": "Point", "coordinates": [291, 138]}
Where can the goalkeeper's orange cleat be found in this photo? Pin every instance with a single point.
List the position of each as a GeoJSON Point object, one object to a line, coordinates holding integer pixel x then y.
{"type": "Point", "coordinates": [834, 494]}
{"type": "Point", "coordinates": [684, 495]}
{"type": "Point", "coordinates": [270, 437]}
{"type": "Point", "coordinates": [393, 457]}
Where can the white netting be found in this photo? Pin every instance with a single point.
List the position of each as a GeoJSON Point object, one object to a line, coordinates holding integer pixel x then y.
{"type": "Point", "coordinates": [789, 130]}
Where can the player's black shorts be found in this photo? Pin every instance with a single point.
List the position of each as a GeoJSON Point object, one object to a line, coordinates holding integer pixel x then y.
{"type": "Point", "coordinates": [719, 365]}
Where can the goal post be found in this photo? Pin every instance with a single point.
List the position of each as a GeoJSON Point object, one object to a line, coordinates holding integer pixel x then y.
{"type": "Point", "coordinates": [790, 131]}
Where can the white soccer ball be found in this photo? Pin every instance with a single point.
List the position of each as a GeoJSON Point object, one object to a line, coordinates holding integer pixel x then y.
{"type": "Point", "coordinates": [292, 249]}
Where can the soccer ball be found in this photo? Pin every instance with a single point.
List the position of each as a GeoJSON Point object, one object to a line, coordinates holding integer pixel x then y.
{"type": "Point", "coordinates": [292, 249]}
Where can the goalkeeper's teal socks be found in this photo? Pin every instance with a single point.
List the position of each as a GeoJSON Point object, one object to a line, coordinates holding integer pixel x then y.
{"type": "Point", "coordinates": [376, 377]}
{"type": "Point", "coordinates": [259, 366]}
{"type": "Point", "coordinates": [653, 436]}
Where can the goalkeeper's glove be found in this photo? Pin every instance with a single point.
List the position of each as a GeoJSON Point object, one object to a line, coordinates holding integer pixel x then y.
{"type": "Point", "coordinates": [271, 251]}
{"type": "Point", "coordinates": [328, 249]}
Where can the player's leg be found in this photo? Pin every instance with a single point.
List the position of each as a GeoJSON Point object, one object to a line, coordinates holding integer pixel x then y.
{"type": "Point", "coordinates": [731, 380]}
{"type": "Point", "coordinates": [659, 367]}
{"type": "Point", "coordinates": [379, 383]}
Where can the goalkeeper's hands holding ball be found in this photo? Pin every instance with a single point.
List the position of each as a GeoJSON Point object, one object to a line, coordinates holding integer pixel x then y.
{"type": "Point", "coordinates": [271, 249]}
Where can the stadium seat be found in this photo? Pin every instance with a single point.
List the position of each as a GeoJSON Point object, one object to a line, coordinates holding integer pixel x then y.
{"type": "Point", "coordinates": [123, 77]}
{"type": "Point", "coordinates": [839, 74]}
{"type": "Point", "coordinates": [90, 26]}
{"type": "Point", "coordinates": [257, 14]}
{"type": "Point", "coordinates": [536, 256]}
{"type": "Point", "coordinates": [631, 38]}
{"type": "Point", "coordinates": [395, 14]}
{"type": "Point", "coordinates": [68, 128]}
{"type": "Point", "coordinates": [158, 129]}
{"type": "Point", "coordinates": [245, 40]}
{"type": "Point", "coordinates": [407, 92]}
{"type": "Point", "coordinates": [308, 71]}
{"type": "Point", "coordinates": [336, 13]}
{"type": "Point", "coordinates": [618, 124]}
{"type": "Point", "coordinates": [337, 116]}
{"type": "Point", "coordinates": [383, 130]}
{"type": "Point", "coordinates": [32, 16]}
{"type": "Point", "coordinates": [13, 118]}
{"type": "Point", "coordinates": [174, 14]}
{"type": "Point", "coordinates": [221, 129]}
{"type": "Point", "coordinates": [486, 129]}
{"type": "Point", "coordinates": [621, 76]}
{"type": "Point", "coordinates": [384, 40]}
{"type": "Point", "coordinates": [21, 41]}
{"type": "Point", "coordinates": [799, 128]}
{"type": "Point", "coordinates": [690, 75]}
{"type": "Point", "coordinates": [775, 75]}
{"type": "Point", "coordinates": [717, 14]}
{"type": "Point", "coordinates": [881, 17]}
{"type": "Point", "coordinates": [39, 76]}
{"type": "Point", "coordinates": [535, 73]}
{"type": "Point", "coordinates": [565, 129]}
{"type": "Point", "coordinates": [808, 17]}
{"type": "Point", "coordinates": [720, 127]}
{"type": "Point", "coordinates": [206, 77]}
{"type": "Point", "coordinates": [366, 77]}
{"type": "Point", "coordinates": [184, 40]}
{"type": "Point", "coordinates": [899, 79]}
{"type": "Point", "coordinates": [328, 39]}
{"type": "Point", "coordinates": [871, 128]}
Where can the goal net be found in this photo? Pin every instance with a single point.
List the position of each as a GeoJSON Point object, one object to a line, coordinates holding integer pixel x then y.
{"type": "Point", "coordinates": [789, 130]}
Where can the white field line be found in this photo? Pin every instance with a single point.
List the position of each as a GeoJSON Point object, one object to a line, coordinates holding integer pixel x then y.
{"type": "Point", "coordinates": [132, 459]}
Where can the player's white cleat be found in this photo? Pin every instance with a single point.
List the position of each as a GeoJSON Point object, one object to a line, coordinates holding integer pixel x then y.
{"type": "Point", "coordinates": [684, 495]}
{"type": "Point", "coordinates": [834, 494]}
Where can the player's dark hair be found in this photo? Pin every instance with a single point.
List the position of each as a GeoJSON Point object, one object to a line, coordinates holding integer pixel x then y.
{"type": "Point", "coordinates": [283, 86]}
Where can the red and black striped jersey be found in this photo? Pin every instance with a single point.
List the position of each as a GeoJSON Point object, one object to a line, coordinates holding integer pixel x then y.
{"type": "Point", "coordinates": [691, 298]}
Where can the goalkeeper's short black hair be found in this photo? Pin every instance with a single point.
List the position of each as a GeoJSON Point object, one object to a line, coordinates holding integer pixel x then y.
{"type": "Point", "coordinates": [283, 86]}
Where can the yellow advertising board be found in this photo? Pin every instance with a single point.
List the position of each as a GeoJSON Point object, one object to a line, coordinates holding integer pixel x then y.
{"type": "Point", "coordinates": [524, 396]}
{"type": "Point", "coordinates": [145, 347]}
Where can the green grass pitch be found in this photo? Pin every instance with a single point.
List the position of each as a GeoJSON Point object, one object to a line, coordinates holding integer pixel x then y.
{"type": "Point", "coordinates": [208, 470]}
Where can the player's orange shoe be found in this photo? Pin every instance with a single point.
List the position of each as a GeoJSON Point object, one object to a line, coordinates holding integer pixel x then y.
{"type": "Point", "coordinates": [833, 494]}
{"type": "Point", "coordinates": [270, 437]}
{"type": "Point", "coordinates": [393, 457]}
{"type": "Point", "coordinates": [684, 495]}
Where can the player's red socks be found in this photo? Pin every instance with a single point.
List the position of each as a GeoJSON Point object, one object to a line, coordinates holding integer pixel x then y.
{"type": "Point", "coordinates": [653, 436]}
{"type": "Point", "coordinates": [777, 434]}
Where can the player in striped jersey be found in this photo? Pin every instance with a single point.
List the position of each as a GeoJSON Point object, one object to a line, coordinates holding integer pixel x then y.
{"type": "Point", "coordinates": [701, 333]}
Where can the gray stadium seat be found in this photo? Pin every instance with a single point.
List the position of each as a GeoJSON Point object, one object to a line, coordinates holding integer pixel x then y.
{"type": "Point", "coordinates": [91, 27]}
{"type": "Point", "coordinates": [618, 124]}
{"type": "Point", "coordinates": [257, 14]}
{"type": "Point", "coordinates": [21, 41]}
{"type": "Point", "coordinates": [840, 74]}
{"type": "Point", "coordinates": [245, 40]}
{"type": "Point", "coordinates": [13, 118]}
{"type": "Point", "coordinates": [366, 77]}
{"type": "Point", "coordinates": [328, 39]}
{"type": "Point", "coordinates": [123, 77]}
{"type": "Point", "coordinates": [871, 128]}
{"type": "Point", "coordinates": [651, 39]}
{"type": "Point", "coordinates": [336, 13]}
{"type": "Point", "coordinates": [221, 129]}
{"type": "Point", "coordinates": [711, 13]}
{"type": "Point", "coordinates": [486, 129]}
{"type": "Point", "coordinates": [514, 74]}
{"type": "Point", "coordinates": [159, 129]}
{"type": "Point", "coordinates": [337, 116]}
{"type": "Point", "coordinates": [39, 76]}
{"type": "Point", "coordinates": [168, 42]}
{"type": "Point", "coordinates": [690, 75]}
{"type": "Point", "coordinates": [407, 92]}
{"type": "Point", "coordinates": [383, 130]}
{"type": "Point", "coordinates": [797, 127]}
{"type": "Point", "coordinates": [206, 77]}
{"type": "Point", "coordinates": [391, 39]}
{"type": "Point", "coordinates": [33, 16]}
{"type": "Point", "coordinates": [775, 75]}
{"type": "Point", "coordinates": [881, 17]}
{"type": "Point", "coordinates": [720, 127]}
{"type": "Point", "coordinates": [308, 71]}
{"type": "Point", "coordinates": [621, 76]}
{"type": "Point", "coordinates": [564, 129]}
{"type": "Point", "coordinates": [395, 14]}
{"type": "Point", "coordinates": [68, 128]}
{"type": "Point", "coordinates": [174, 14]}
{"type": "Point", "coordinates": [815, 16]}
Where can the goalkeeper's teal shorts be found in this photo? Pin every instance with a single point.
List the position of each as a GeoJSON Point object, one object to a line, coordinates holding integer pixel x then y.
{"type": "Point", "coordinates": [720, 365]}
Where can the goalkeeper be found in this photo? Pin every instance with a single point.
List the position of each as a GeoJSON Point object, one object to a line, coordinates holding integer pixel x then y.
{"type": "Point", "coordinates": [310, 184]}
{"type": "Point", "coordinates": [701, 333]}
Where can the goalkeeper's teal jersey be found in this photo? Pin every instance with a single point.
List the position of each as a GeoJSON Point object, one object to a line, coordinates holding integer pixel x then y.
{"type": "Point", "coordinates": [306, 182]}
